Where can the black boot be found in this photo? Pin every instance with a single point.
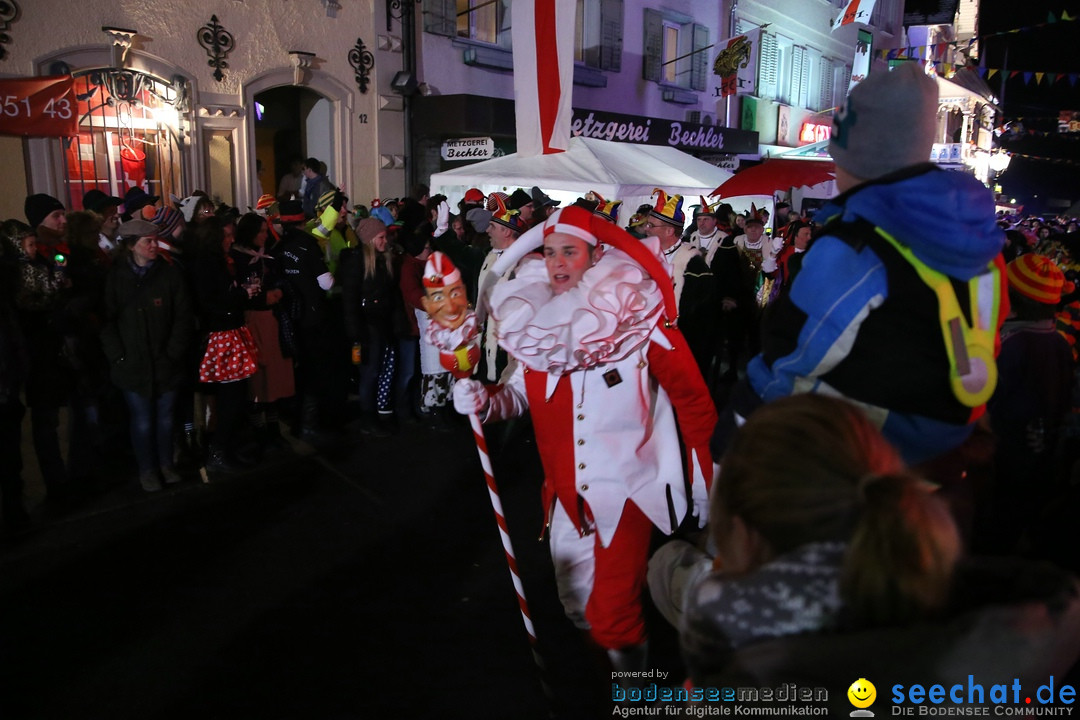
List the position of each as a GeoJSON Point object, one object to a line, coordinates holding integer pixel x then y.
{"type": "Point", "coordinates": [440, 419]}
{"type": "Point", "coordinates": [371, 424]}
{"type": "Point", "coordinates": [310, 430]}
{"type": "Point", "coordinates": [191, 450]}
{"type": "Point", "coordinates": [217, 464]}
{"type": "Point", "coordinates": [272, 438]}
{"type": "Point", "coordinates": [388, 422]}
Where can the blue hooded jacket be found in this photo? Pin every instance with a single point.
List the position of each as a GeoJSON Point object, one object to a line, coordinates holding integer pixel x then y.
{"type": "Point", "coordinates": [865, 326]}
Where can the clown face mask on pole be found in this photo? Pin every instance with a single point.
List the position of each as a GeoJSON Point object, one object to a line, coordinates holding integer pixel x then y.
{"type": "Point", "coordinates": [453, 328]}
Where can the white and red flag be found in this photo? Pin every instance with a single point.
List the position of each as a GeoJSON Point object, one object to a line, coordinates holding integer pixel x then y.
{"type": "Point", "coordinates": [855, 11]}
{"type": "Point", "coordinates": [543, 37]}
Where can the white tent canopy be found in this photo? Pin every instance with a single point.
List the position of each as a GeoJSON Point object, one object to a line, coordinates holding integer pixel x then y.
{"type": "Point", "coordinates": [618, 171]}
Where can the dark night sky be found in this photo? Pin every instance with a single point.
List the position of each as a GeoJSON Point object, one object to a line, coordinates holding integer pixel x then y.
{"type": "Point", "coordinates": [1053, 48]}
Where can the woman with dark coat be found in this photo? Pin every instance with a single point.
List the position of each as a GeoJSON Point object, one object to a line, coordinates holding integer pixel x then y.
{"type": "Point", "coordinates": [256, 266]}
{"type": "Point", "coordinates": [148, 325]}
{"type": "Point", "coordinates": [14, 366]}
{"type": "Point", "coordinates": [230, 354]}
{"type": "Point", "coordinates": [41, 290]}
{"type": "Point", "coordinates": [373, 309]}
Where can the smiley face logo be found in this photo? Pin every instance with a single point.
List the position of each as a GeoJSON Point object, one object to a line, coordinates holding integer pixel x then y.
{"type": "Point", "coordinates": [862, 693]}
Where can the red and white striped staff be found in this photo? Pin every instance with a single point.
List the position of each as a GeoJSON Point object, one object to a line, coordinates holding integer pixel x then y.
{"type": "Point", "coordinates": [504, 533]}
{"type": "Point", "coordinates": [454, 331]}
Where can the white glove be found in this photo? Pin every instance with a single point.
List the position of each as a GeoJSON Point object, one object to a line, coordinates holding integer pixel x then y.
{"type": "Point", "coordinates": [442, 220]}
{"type": "Point", "coordinates": [326, 281]}
{"type": "Point", "coordinates": [700, 498]}
{"type": "Point", "coordinates": [470, 397]}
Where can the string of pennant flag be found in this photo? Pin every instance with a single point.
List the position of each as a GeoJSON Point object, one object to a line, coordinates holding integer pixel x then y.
{"type": "Point", "coordinates": [1040, 158]}
{"type": "Point", "coordinates": [1050, 20]}
{"type": "Point", "coordinates": [1013, 132]}
{"type": "Point", "coordinates": [948, 69]}
{"type": "Point", "coordinates": [1039, 77]}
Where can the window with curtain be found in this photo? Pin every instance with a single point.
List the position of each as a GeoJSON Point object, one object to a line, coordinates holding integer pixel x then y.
{"type": "Point", "coordinates": [598, 34]}
{"type": "Point", "coordinates": [480, 20]}
{"type": "Point", "coordinates": [675, 50]}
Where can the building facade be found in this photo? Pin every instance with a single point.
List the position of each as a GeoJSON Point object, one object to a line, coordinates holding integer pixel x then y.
{"type": "Point", "coordinates": [217, 95]}
{"type": "Point", "coordinates": [220, 95]}
{"type": "Point", "coordinates": [645, 66]}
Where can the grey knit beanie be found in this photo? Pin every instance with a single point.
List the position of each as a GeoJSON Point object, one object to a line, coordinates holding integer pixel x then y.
{"type": "Point", "coordinates": [888, 122]}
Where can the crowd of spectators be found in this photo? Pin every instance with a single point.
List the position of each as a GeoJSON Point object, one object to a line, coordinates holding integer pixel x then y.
{"type": "Point", "coordinates": [182, 336]}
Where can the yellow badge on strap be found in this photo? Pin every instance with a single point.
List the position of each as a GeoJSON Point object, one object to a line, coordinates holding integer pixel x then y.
{"type": "Point", "coordinates": [970, 346]}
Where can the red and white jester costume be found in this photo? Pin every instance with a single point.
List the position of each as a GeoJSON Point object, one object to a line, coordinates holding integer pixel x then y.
{"type": "Point", "coordinates": [610, 386]}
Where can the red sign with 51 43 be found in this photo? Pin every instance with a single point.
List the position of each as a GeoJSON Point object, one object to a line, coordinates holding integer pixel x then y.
{"type": "Point", "coordinates": [38, 106]}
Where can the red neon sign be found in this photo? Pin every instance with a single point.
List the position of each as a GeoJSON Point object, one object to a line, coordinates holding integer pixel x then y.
{"type": "Point", "coordinates": [814, 132]}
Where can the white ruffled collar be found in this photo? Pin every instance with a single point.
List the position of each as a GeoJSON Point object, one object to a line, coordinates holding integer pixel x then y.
{"type": "Point", "coordinates": [605, 318]}
{"type": "Point", "coordinates": [447, 339]}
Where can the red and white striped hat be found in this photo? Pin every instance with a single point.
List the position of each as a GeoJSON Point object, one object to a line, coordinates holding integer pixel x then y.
{"type": "Point", "coordinates": [440, 272]}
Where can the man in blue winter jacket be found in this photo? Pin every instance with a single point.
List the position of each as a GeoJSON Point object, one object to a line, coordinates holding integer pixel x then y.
{"type": "Point", "coordinates": [899, 301]}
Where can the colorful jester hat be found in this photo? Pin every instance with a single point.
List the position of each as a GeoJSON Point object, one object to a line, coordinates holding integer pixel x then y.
{"type": "Point", "coordinates": [668, 208]}
{"type": "Point", "coordinates": [706, 209]}
{"type": "Point", "coordinates": [608, 210]}
{"type": "Point", "coordinates": [507, 218]}
{"type": "Point", "coordinates": [756, 215]}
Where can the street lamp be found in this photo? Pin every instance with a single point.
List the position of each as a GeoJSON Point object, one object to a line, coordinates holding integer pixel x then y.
{"type": "Point", "coordinates": [999, 162]}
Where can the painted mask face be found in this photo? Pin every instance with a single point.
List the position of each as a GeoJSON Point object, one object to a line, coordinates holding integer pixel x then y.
{"type": "Point", "coordinates": [448, 306]}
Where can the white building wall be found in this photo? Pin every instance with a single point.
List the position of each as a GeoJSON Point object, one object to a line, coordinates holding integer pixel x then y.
{"type": "Point", "coordinates": [443, 69]}
{"type": "Point", "coordinates": [264, 31]}
{"type": "Point", "coordinates": [807, 23]}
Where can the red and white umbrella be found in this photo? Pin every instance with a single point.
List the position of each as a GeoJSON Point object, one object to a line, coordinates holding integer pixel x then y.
{"type": "Point", "coordinates": [773, 175]}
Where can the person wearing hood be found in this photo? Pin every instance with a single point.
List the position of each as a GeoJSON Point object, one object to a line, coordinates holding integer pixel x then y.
{"type": "Point", "coordinates": [899, 301]}
{"type": "Point", "coordinates": [829, 547]}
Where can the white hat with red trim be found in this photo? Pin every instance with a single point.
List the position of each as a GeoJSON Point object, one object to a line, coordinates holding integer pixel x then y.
{"type": "Point", "coordinates": [440, 272]}
{"type": "Point", "coordinates": [580, 223]}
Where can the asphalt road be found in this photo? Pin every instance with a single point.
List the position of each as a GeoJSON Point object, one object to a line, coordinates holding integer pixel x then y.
{"type": "Point", "coordinates": [366, 580]}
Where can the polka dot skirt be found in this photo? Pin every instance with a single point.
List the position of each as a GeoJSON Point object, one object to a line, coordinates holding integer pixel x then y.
{"type": "Point", "coordinates": [230, 355]}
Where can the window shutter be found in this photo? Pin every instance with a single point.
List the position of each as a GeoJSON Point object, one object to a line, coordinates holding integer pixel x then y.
{"type": "Point", "coordinates": [699, 61]}
{"type": "Point", "coordinates": [654, 45]}
{"type": "Point", "coordinates": [798, 64]}
{"type": "Point", "coordinates": [742, 27]}
{"type": "Point", "coordinates": [611, 23]}
{"type": "Point", "coordinates": [825, 91]}
{"type": "Point", "coordinates": [440, 17]}
{"type": "Point", "coordinates": [769, 65]}
{"type": "Point", "coordinates": [843, 75]}
{"type": "Point", "coordinates": [804, 80]}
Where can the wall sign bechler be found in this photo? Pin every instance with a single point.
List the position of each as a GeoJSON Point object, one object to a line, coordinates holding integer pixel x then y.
{"type": "Point", "coordinates": [468, 149]}
{"type": "Point", "coordinates": [686, 136]}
